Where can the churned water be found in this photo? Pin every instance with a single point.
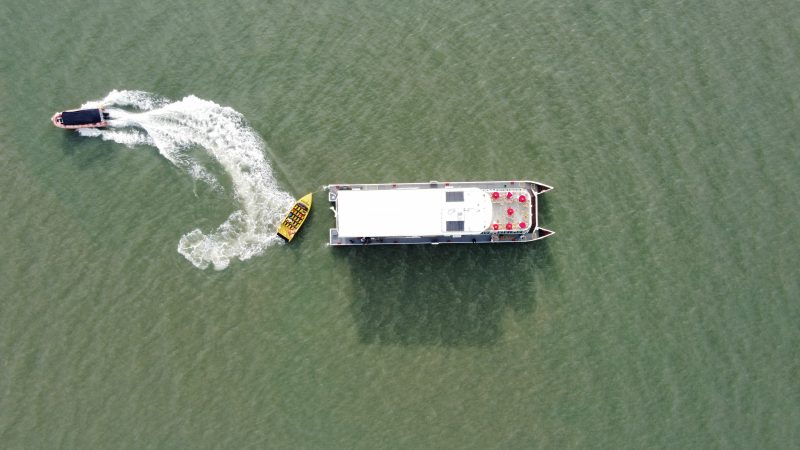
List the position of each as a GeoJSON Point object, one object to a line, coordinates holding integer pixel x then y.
{"type": "Point", "coordinates": [176, 128]}
{"type": "Point", "coordinates": [145, 302]}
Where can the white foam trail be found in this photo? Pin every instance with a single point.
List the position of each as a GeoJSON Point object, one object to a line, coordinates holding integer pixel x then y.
{"type": "Point", "coordinates": [138, 99]}
{"type": "Point", "coordinates": [175, 127]}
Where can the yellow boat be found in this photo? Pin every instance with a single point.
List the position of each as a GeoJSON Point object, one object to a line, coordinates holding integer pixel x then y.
{"type": "Point", "coordinates": [294, 220]}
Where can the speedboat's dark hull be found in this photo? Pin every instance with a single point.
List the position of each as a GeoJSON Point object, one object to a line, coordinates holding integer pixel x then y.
{"type": "Point", "coordinates": [80, 118]}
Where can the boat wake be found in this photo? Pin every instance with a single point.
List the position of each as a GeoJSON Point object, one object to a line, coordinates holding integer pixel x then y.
{"type": "Point", "coordinates": [177, 128]}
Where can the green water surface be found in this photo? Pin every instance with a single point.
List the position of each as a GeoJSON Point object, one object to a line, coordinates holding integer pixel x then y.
{"type": "Point", "coordinates": [663, 314]}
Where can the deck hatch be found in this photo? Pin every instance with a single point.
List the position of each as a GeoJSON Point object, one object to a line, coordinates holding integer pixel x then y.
{"type": "Point", "coordinates": [457, 196]}
{"type": "Point", "coordinates": [455, 225]}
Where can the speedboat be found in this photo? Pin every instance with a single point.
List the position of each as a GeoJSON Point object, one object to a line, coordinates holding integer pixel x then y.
{"type": "Point", "coordinates": [295, 218]}
{"type": "Point", "coordinates": [81, 118]}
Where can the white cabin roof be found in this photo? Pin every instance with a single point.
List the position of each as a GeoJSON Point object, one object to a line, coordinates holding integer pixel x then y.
{"type": "Point", "coordinates": [412, 212]}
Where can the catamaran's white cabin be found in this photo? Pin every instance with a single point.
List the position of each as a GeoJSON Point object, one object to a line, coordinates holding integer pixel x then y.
{"type": "Point", "coordinates": [434, 213]}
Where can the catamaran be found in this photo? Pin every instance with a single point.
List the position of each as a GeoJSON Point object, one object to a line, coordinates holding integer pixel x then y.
{"type": "Point", "coordinates": [475, 212]}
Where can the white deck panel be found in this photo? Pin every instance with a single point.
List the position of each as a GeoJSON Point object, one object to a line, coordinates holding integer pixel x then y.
{"type": "Point", "coordinates": [409, 212]}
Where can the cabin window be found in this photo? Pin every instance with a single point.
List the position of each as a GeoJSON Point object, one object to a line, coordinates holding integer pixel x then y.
{"type": "Point", "coordinates": [455, 225]}
{"type": "Point", "coordinates": [457, 196]}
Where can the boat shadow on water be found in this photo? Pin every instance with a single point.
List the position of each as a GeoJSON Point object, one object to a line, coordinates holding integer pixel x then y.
{"type": "Point", "coordinates": [449, 295]}
{"type": "Point", "coordinates": [85, 153]}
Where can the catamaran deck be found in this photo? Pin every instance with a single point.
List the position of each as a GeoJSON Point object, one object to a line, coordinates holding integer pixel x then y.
{"type": "Point", "coordinates": [416, 213]}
